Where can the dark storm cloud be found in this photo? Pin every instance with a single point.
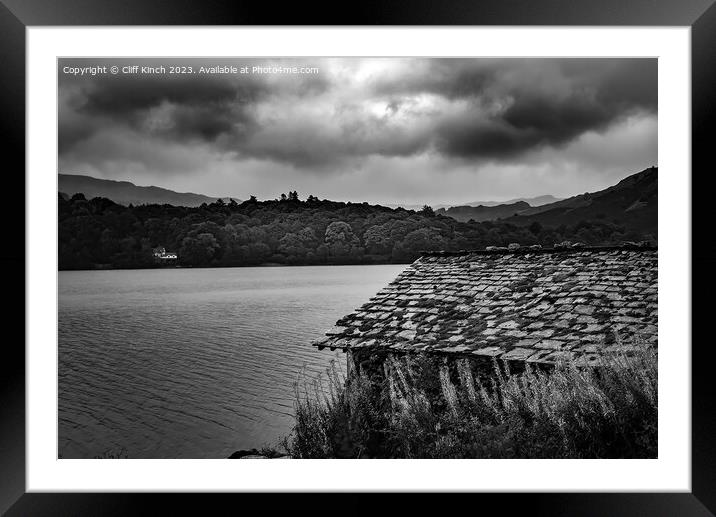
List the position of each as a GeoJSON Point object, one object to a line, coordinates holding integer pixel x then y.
{"type": "Point", "coordinates": [470, 110]}
{"type": "Point", "coordinates": [531, 121]}
{"type": "Point", "coordinates": [618, 81]}
{"type": "Point", "coordinates": [117, 96]}
{"type": "Point", "coordinates": [513, 106]}
{"type": "Point", "coordinates": [180, 107]}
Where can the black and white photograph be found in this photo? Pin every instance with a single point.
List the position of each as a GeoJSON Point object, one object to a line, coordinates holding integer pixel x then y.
{"type": "Point", "coordinates": [357, 258]}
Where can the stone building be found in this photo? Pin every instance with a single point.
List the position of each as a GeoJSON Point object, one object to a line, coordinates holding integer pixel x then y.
{"type": "Point", "coordinates": [160, 254]}
{"type": "Point", "coordinates": [522, 305]}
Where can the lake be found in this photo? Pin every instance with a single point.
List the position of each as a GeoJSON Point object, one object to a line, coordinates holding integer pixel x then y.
{"type": "Point", "coordinates": [194, 363]}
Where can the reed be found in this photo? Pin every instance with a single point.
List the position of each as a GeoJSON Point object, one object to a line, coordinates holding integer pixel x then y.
{"type": "Point", "coordinates": [425, 407]}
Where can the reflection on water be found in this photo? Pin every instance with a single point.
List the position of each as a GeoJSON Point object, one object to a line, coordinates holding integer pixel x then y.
{"type": "Point", "coordinates": [194, 363]}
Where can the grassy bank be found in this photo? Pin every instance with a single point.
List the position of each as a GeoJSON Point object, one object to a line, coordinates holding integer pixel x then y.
{"type": "Point", "coordinates": [423, 407]}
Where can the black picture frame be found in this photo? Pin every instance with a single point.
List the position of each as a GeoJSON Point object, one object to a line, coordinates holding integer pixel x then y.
{"type": "Point", "coordinates": [17, 15]}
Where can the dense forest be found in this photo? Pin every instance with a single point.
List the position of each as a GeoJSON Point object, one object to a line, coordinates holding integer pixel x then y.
{"type": "Point", "coordinates": [99, 233]}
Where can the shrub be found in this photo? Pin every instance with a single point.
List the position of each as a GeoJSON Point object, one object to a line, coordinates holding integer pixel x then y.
{"type": "Point", "coordinates": [425, 407]}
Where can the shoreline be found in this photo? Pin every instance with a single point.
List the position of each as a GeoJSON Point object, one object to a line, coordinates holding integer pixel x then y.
{"type": "Point", "coordinates": [266, 265]}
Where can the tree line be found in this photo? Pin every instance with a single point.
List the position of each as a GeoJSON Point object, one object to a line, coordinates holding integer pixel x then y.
{"type": "Point", "coordinates": [98, 233]}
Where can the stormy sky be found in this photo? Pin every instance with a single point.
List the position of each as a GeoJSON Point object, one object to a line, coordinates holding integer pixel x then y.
{"type": "Point", "coordinates": [382, 130]}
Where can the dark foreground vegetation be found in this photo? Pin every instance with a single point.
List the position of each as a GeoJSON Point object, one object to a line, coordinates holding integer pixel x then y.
{"type": "Point", "coordinates": [99, 233]}
{"type": "Point", "coordinates": [421, 408]}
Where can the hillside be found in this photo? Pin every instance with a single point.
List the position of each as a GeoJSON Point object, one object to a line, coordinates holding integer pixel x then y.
{"type": "Point", "coordinates": [632, 201]}
{"type": "Point", "coordinates": [98, 233]}
{"type": "Point", "coordinates": [483, 213]}
{"type": "Point", "coordinates": [126, 193]}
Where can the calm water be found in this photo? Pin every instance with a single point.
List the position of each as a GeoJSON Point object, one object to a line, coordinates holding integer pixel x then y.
{"type": "Point", "coordinates": [194, 363]}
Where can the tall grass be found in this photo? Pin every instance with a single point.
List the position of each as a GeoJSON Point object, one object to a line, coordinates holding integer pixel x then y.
{"type": "Point", "coordinates": [426, 407]}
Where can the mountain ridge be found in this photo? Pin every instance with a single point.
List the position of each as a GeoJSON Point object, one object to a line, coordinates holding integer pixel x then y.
{"type": "Point", "coordinates": [482, 212]}
{"type": "Point", "coordinates": [633, 199]}
{"type": "Point", "coordinates": [532, 201]}
{"type": "Point", "coordinates": [126, 192]}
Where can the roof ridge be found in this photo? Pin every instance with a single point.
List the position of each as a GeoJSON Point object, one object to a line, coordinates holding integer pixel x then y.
{"type": "Point", "coordinates": [565, 247]}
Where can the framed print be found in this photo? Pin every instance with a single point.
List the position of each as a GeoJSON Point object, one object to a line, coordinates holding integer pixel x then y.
{"type": "Point", "coordinates": [384, 257]}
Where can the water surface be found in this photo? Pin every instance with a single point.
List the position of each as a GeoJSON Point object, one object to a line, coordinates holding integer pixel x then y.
{"type": "Point", "coordinates": [194, 363]}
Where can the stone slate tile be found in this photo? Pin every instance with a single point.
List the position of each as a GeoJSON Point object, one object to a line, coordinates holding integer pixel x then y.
{"type": "Point", "coordinates": [533, 307]}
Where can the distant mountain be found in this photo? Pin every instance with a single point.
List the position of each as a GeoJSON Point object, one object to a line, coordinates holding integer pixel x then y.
{"type": "Point", "coordinates": [126, 193]}
{"type": "Point", "coordinates": [532, 201]}
{"type": "Point", "coordinates": [483, 213]}
{"type": "Point", "coordinates": [633, 202]}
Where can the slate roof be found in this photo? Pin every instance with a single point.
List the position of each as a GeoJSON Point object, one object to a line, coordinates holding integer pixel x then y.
{"type": "Point", "coordinates": [519, 304]}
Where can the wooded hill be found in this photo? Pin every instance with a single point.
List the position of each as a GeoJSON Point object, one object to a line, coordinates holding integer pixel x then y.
{"type": "Point", "coordinates": [100, 233]}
